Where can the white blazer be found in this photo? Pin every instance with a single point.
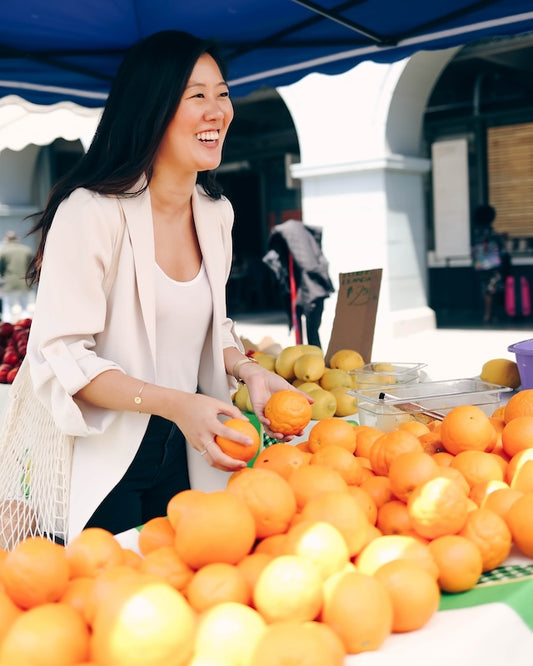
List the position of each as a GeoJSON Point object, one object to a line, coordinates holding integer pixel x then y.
{"type": "Point", "coordinates": [77, 332]}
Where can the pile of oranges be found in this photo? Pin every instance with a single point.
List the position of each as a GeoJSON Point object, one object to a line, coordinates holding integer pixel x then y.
{"type": "Point", "coordinates": [319, 550]}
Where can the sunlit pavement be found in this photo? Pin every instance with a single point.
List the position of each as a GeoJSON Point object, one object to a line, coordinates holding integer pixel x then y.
{"type": "Point", "coordinates": [450, 353]}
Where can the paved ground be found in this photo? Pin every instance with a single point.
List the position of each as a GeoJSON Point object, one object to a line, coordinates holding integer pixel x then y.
{"type": "Point", "coordinates": [450, 353]}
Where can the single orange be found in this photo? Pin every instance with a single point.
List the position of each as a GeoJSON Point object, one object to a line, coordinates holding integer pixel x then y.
{"type": "Point", "coordinates": [365, 436]}
{"type": "Point", "coordinates": [289, 588]}
{"type": "Point", "coordinates": [414, 593]}
{"type": "Point", "coordinates": [358, 608]}
{"type": "Point", "coordinates": [366, 502]}
{"type": "Point", "coordinates": [379, 488]}
{"type": "Point", "coordinates": [251, 566]}
{"type": "Point", "coordinates": [393, 518]}
{"type": "Point", "coordinates": [517, 435]}
{"type": "Point", "coordinates": [409, 470]}
{"type": "Point", "coordinates": [310, 481]}
{"type": "Point", "coordinates": [337, 651]}
{"type": "Point", "coordinates": [466, 427]}
{"type": "Point", "coordinates": [293, 643]}
{"type": "Point", "coordinates": [340, 509]}
{"type": "Point", "coordinates": [516, 462]}
{"type": "Point", "coordinates": [79, 594]}
{"type": "Point", "coordinates": [459, 562]}
{"type": "Point", "coordinates": [519, 404]}
{"type": "Point", "coordinates": [35, 572]}
{"type": "Point", "coordinates": [332, 430]}
{"type": "Point", "coordinates": [155, 533]}
{"type": "Point", "coordinates": [417, 428]}
{"type": "Point", "coordinates": [438, 507]}
{"type": "Point", "coordinates": [339, 458]}
{"type": "Point", "coordinates": [288, 411]}
{"type": "Point", "coordinates": [477, 466]}
{"type": "Point", "coordinates": [217, 583]}
{"type": "Point", "coordinates": [389, 446]}
{"type": "Point", "coordinates": [490, 533]}
{"type": "Point", "coordinates": [519, 518]}
{"type": "Point", "coordinates": [93, 550]}
{"type": "Point", "coordinates": [282, 458]}
{"type": "Point", "coordinates": [501, 500]}
{"type": "Point", "coordinates": [453, 474]}
{"type": "Point", "coordinates": [321, 542]}
{"type": "Point", "coordinates": [52, 634]}
{"type": "Point", "coordinates": [523, 478]}
{"type": "Point", "coordinates": [161, 634]}
{"type": "Point", "coordinates": [394, 547]}
{"type": "Point", "coordinates": [9, 612]}
{"type": "Point", "coordinates": [214, 527]}
{"type": "Point", "coordinates": [167, 564]}
{"type": "Point", "coordinates": [235, 449]}
{"type": "Point", "coordinates": [269, 497]}
{"type": "Point", "coordinates": [228, 633]}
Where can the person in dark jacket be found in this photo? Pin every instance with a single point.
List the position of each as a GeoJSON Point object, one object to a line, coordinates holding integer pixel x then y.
{"type": "Point", "coordinates": [303, 243]}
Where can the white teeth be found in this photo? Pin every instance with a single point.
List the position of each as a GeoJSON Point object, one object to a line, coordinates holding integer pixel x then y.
{"type": "Point", "coordinates": [208, 136]}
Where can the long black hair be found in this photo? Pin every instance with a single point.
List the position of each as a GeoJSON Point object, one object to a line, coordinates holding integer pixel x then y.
{"type": "Point", "coordinates": [142, 101]}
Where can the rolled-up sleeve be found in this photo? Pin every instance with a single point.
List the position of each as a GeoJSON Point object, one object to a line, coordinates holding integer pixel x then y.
{"type": "Point", "coordinates": [71, 310]}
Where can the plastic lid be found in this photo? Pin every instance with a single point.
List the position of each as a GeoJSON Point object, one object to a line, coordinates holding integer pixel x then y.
{"type": "Point", "coordinates": [525, 347]}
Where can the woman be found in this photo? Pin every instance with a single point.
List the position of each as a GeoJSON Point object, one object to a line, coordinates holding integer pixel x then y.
{"type": "Point", "coordinates": [130, 346]}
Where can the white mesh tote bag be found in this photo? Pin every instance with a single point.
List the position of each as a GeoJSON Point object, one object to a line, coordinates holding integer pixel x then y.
{"type": "Point", "coordinates": [35, 461]}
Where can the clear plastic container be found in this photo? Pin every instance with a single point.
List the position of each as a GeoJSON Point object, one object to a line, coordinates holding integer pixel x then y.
{"type": "Point", "coordinates": [386, 374]}
{"type": "Point", "coordinates": [523, 352]}
{"type": "Point", "coordinates": [386, 407]}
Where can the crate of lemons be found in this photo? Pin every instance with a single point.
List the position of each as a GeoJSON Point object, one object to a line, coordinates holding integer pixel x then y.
{"type": "Point", "coordinates": [329, 384]}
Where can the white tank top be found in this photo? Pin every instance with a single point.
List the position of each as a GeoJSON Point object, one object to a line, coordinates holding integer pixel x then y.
{"type": "Point", "coordinates": [183, 315]}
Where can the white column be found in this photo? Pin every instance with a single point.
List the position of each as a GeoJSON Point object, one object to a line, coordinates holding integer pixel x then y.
{"type": "Point", "coordinates": [362, 177]}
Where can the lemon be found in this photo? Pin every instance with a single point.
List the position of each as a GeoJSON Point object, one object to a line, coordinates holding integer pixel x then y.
{"type": "Point", "coordinates": [324, 405]}
{"type": "Point", "coordinates": [346, 359]}
{"type": "Point", "coordinates": [287, 357]}
{"type": "Point", "coordinates": [309, 367]}
{"type": "Point", "coordinates": [501, 371]}
{"type": "Point", "coordinates": [306, 387]}
{"type": "Point", "coordinates": [334, 377]}
{"type": "Point", "coordinates": [268, 361]}
{"type": "Point", "coordinates": [346, 403]}
{"type": "Point", "coordinates": [241, 399]}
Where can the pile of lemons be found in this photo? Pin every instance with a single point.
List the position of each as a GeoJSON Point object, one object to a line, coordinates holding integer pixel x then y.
{"type": "Point", "coordinates": [329, 384]}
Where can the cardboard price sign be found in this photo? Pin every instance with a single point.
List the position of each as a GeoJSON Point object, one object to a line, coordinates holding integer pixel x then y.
{"type": "Point", "coordinates": [355, 313]}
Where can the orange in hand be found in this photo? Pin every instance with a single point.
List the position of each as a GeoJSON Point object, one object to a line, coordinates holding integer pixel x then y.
{"type": "Point", "coordinates": [236, 449]}
{"type": "Point", "coordinates": [289, 412]}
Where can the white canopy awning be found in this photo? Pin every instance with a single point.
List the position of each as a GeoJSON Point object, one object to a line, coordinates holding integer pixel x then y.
{"type": "Point", "coordinates": [23, 123]}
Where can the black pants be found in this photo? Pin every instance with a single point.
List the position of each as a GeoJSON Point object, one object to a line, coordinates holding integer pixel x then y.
{"type": "Point", "coordinates": [158, 471]}
{"type": "Point", "coordinates": [312, 322]}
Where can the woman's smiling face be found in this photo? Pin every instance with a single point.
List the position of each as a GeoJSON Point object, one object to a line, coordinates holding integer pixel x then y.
{"type": "Point", "coordinates": [194, 138]}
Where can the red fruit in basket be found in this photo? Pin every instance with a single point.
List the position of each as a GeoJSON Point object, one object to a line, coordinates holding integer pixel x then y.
{"type": "Point", "coordinates": [23, 323]}
{"type": "Point", "coordinates": [4, 369]}
{"type": "Point", "coordinates": [11, 356]}
{"type": "Point", "coordinates": [6, 329]}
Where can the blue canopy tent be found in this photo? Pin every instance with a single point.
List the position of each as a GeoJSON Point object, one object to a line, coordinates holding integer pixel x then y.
{"type": "Point", "coordinates": [52, 50]}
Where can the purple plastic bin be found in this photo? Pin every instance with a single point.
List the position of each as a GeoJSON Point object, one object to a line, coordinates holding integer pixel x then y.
{"type": "Point", "coordinates": [524, 359]}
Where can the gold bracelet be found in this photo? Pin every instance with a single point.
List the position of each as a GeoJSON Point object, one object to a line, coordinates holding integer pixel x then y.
{"type": "Point", "coordinates": [238, 364]}
{"type": "Point", "coordinates": [137, 399]}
